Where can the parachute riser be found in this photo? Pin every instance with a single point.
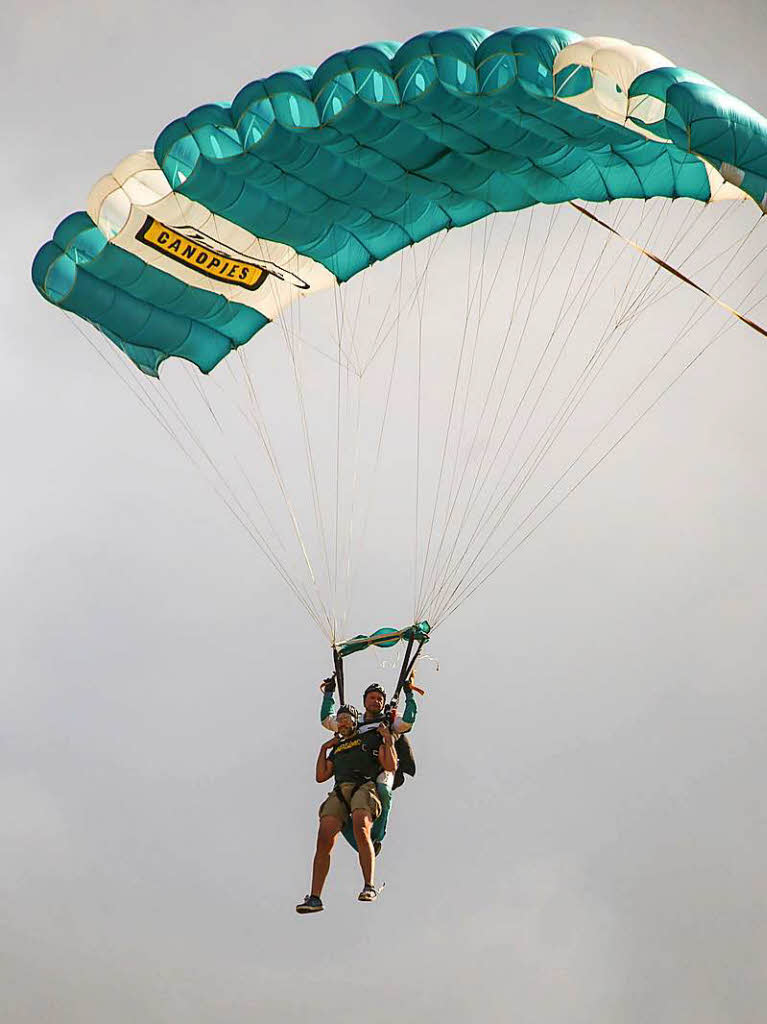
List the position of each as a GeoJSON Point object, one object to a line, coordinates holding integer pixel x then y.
{"type": "Point", "coordinates": [408, 664]}
{"type": "Point", "coordinates": [338, 663]}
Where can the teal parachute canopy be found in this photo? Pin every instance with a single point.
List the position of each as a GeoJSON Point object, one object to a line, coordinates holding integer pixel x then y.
{"type": "Point", "coordinates": [494, 393]}
{"type": "Point", "coordinates": [310, 176]}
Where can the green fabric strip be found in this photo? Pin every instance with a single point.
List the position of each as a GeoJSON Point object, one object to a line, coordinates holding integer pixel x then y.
{"type": "Point", "coordinates": [386, 637]}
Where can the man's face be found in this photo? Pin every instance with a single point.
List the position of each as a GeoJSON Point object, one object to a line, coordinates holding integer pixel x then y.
{"type": "Point", "coordinates": [345, 724]}
{"type": "Point", "coordinates": [374, 702]}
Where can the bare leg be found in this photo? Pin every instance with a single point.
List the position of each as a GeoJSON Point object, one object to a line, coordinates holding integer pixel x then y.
{"type": "Point", "coordinates": [362, 823]}
{"type": "Point", "coordinates": [326, 837]}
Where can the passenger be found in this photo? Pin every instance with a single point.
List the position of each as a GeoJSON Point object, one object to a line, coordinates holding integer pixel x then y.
{"type": "Point", "coordinates": [374, 700]}
{"type": "Point", "coordinates": [354, 759]}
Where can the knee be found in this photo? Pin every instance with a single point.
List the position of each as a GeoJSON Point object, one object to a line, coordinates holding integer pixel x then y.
{"type": "Point", "coordinates": [326, 837]}
{"type": "Point", "coordinates": [362, 823]}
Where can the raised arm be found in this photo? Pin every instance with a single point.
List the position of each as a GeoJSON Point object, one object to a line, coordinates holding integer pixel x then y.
{"type": "Point", "coordinates": [407, 721]}
{"type": "Point", "coordinates": [328, 708]}
{"type": "Point", "coordinates": [325, 769]}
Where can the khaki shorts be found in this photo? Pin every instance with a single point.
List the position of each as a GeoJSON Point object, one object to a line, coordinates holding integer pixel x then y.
{"type": "Point", "coordinates": [364, 799]}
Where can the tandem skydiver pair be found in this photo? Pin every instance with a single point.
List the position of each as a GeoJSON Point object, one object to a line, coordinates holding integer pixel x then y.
{"type": "Point", "coordinates": [368, 757]}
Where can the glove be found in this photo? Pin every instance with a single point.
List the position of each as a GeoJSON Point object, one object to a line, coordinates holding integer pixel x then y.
{"type": "Point", "coordinates": [329, 684]}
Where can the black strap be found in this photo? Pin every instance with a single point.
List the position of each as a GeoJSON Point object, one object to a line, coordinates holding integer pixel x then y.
{"type": "Point", "coordinates": [407, 667]}
{"type": "Point", "coordinates": [402, 672]}
{"type": "Point", "coordinates": [338, 661]}
{"type": "Point", "coordinates": [340, 794]}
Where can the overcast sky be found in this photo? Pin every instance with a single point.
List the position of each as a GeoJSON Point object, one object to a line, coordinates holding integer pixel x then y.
{"type": "Point", "coordinates": [586, 837]}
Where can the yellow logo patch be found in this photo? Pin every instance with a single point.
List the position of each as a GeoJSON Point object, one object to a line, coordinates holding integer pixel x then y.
{"type": "Point", "coordinates": [348, 745]}
{"type": "Point", "coordinates": [201, 258]}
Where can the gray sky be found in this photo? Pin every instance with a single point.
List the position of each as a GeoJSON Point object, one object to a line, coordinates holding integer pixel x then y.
{"type": "Point", "coordinates": [586, 836]}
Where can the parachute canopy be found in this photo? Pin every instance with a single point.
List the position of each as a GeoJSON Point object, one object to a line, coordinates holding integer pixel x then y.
{"type": "Point", "coordinates": [310, 176]}
{"type": "Point", "coordinates": [450, 425]}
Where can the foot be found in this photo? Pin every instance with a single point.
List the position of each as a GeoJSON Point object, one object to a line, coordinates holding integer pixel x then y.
{"type": "Point", "coordinates": [311, 905]}
{"type": "Point", "coordinates": [368, 894]}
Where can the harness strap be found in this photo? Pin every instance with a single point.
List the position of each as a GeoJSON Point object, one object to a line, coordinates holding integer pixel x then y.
{"type": "Point", "coordinates": [340, 794]}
